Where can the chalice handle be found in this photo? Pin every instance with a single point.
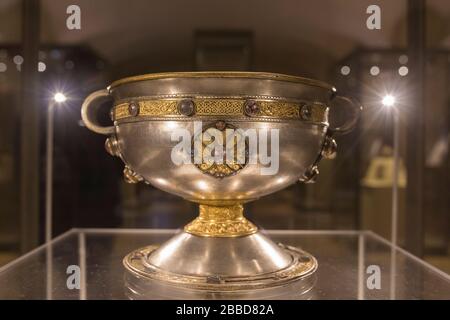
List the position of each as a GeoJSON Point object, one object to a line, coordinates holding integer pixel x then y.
{"type": "Point", "coordinates": [350, 124]}
{"type": "Point", "coordinates": [89, 111]}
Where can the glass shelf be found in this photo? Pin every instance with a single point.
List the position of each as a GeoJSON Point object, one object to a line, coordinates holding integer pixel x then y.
{"type": "Point", "coordinates": [345, 259]}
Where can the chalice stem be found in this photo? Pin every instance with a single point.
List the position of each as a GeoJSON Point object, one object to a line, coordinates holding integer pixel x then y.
{"type": "Point", "coordinates": [221, 221]}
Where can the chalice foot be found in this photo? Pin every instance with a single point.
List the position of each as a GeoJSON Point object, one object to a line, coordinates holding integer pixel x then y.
{"type": "Point", "coordinates": [221, 251]}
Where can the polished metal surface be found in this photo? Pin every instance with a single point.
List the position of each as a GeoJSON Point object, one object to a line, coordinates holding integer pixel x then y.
{"type": "Point", "coordinates": [218, 265]}
{"type": "Point", "coordinates": [140, 288]}
{"type": "Point", "coordinates": [146, 148]}
{"type": "Point", "coordinates": [220, 250]}
{"type": "Point", "coordinates": [243, 256]}
{"type": "Point", "coordinates": [221, 84]}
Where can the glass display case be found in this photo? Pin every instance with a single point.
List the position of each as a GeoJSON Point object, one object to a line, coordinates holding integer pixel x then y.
{"type": "Point", "coordinates": [352, 265]}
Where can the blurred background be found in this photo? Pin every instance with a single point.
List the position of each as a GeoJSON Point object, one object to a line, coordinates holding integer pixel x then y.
{"type": "Point", "coordinates": [408, 58]}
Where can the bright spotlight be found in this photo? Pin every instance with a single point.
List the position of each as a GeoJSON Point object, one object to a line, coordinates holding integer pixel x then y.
{"type": "Point", "coordinates": [60, 97]}
{"type": "Point", "coordinates": [388, 100]}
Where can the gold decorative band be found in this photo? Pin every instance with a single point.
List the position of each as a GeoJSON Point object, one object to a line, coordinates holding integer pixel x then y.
{"type": "Point", "coordinates": [218, 221]}
{"type": "Point", "coordinates": [228, 107]}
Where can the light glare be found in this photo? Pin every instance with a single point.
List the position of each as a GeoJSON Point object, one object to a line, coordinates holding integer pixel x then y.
{"type": "Point", "coordinates": [388, 100]}
{"type": "Point", "coordinates": [60, 97]}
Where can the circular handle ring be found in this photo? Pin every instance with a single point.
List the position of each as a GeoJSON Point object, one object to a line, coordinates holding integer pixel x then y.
{"type": "Point", "coordinates": [350, 124]}
{"type": "Point", "coordinates": [90, 107]}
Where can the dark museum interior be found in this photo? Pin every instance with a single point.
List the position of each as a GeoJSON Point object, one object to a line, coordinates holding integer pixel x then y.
{"type": "Point", "coordinates": [406, 60]}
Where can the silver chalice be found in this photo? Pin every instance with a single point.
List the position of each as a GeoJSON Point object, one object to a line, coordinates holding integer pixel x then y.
{"type": "Point", "coordinates": [246, 114]}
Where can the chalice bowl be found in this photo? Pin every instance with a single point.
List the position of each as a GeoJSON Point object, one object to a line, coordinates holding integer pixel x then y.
{"type": "Point", "coordinates": [220, 139]}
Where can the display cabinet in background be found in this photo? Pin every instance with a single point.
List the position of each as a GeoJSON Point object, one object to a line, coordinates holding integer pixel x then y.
{"type": "Point", "coordinates": [374, 74]}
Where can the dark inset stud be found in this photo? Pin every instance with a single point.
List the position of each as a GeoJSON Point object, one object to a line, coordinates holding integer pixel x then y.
{"type": "Point", "coordinates": [220, 125]}
{"type": "Point", "coordinates": [186, 107]}
{"type": "Point", "coordinates": [306, 112]}
{"type": "Point", "coordinates": [133, 109]}
{"type": "Point", "coordinates": [251, 108]}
